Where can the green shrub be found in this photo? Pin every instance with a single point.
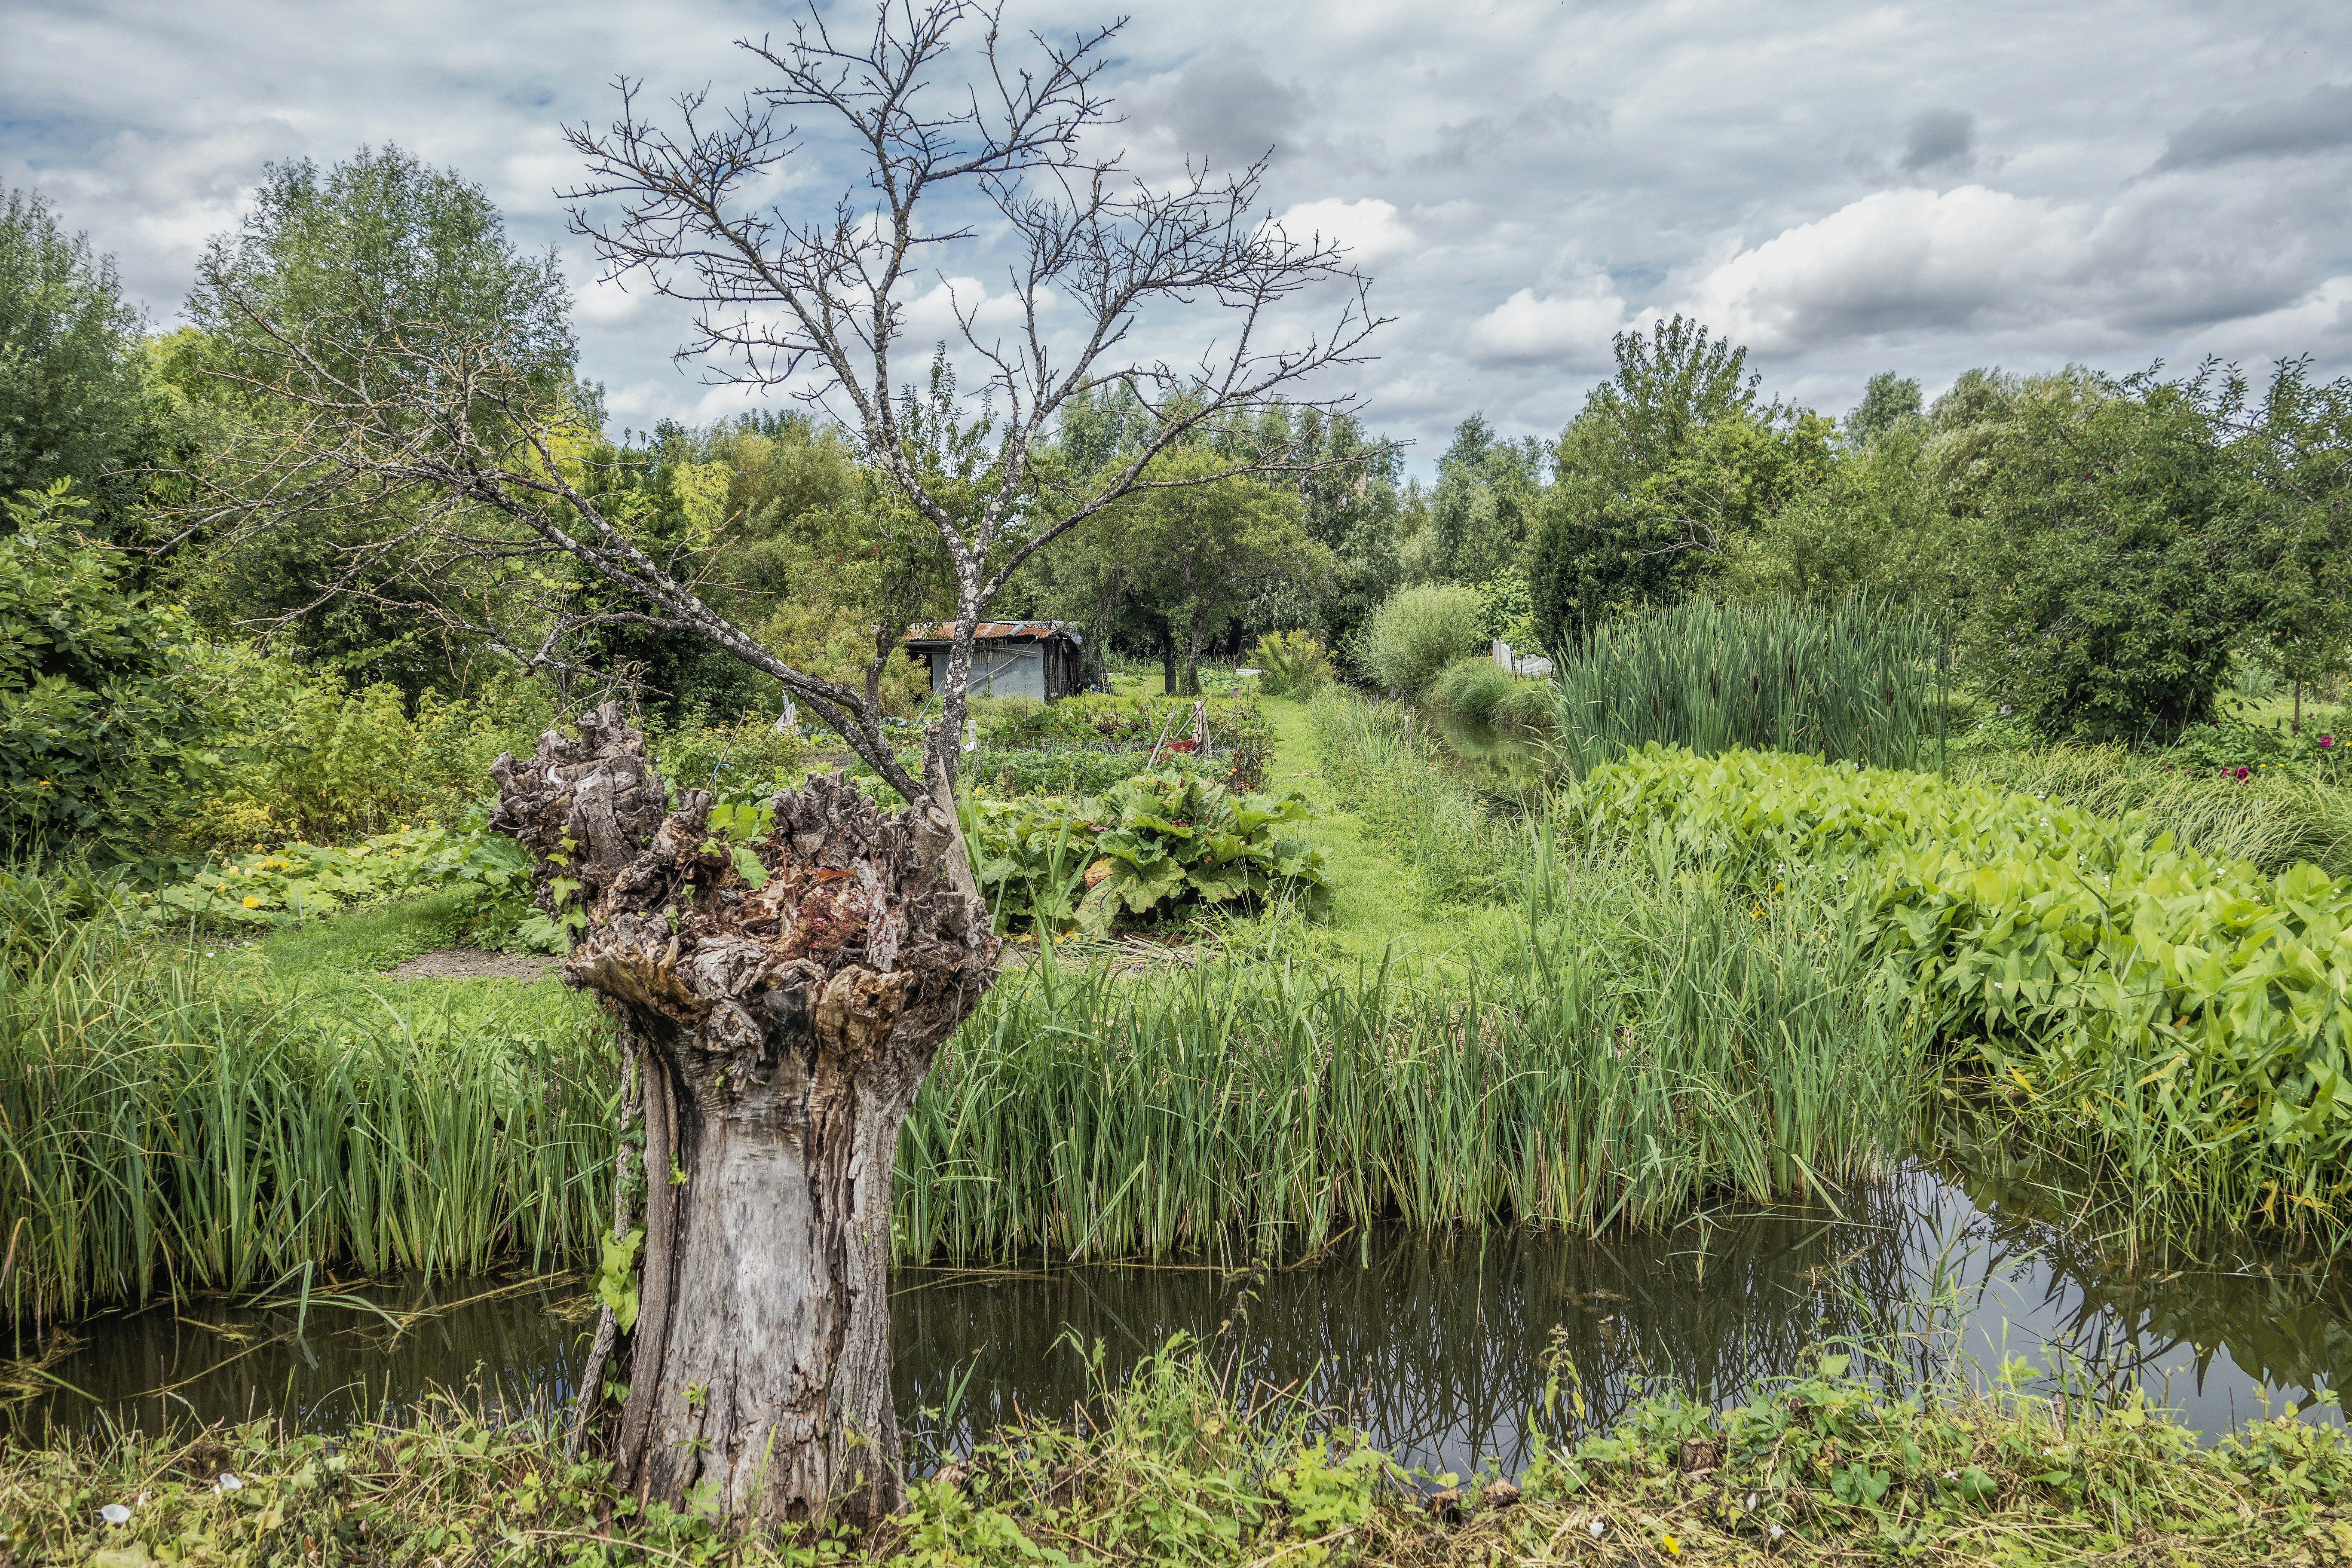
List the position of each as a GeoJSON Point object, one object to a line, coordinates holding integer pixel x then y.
{"type": "Point", "coordinates": [309, 759]}
{"type": "Point", "coordinates": [1155, 847]}
{"type": "Point", "coordinates": [1476, 691]}
{"type": "Point", "coordinates": [104, 725]}
{"type": "Point", "coordinates": [1290, 664]}
{"type": "Point", "coordinates": [2130, 539]}
{"type": "Point", "coordinates": [1418, 632]}
{"type": "Point", "coordinates": [1853, 681]}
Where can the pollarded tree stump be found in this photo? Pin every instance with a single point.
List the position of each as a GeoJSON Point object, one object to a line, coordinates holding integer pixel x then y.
{"type": "Point", "coordinates": [782, 1028]}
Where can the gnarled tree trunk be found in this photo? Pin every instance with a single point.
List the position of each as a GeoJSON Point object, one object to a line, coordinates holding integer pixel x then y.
{"type": "Point", "coordinates": [782, 1027]}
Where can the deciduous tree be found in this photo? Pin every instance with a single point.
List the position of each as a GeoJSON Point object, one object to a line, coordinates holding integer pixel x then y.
{"type": "Point", "coordinates": [72, 399]}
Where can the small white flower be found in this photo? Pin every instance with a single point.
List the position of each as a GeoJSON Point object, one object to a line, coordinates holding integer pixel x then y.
{"type": "Point", "coordinates": [229, 1483]}
{"type": "Point", "coordinates": [1951, 1475]}
{"type": "Point", "coordinates": [1596, 1527]}
{"type": "Point", "coordinates": [115, 1513]}
{"type": "Point", "coordinates": [1776, 1532]}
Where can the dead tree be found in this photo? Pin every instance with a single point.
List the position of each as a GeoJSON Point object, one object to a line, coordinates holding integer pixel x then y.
{"type": "Point", "coordinates": [781, 1021]}
{"type": "Point", "coordinates": [779, 1031]}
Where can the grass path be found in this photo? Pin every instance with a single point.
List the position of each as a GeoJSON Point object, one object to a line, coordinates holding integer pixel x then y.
{"type": "Point", "coordinates": [1376, 898]}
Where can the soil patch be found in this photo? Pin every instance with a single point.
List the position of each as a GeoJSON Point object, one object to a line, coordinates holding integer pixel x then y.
{"type": "Point", "coordinates": [473, 963]}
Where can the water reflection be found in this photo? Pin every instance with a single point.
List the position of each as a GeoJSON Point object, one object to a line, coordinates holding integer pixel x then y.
{"type": "Point", "coordinates": [1506, 757]}
{"type": "Point", "coordinates": [1436, 1346]}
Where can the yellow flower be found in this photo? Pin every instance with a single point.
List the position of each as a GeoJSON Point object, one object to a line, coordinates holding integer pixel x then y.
{"type": "Point", "coordinates": [251, 902]}
{"type": "Point", "coordinates": [1673, 1548]}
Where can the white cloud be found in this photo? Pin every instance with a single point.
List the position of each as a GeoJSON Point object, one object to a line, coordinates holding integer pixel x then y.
{"type": "Point", "coordinates": [1369, 228]}
{"type": "Point", "coordinates": [1908, 265]}
{"type": "Point", "coordinates": [1563, 329]}
{"type": "Point", "coordinates": [1901, 261]}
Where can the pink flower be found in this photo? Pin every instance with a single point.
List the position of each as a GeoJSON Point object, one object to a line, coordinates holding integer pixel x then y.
{"type": "Point", "coordinates": [2244, 773]}
{"type": "Point", "coordinates": [2325, 741]}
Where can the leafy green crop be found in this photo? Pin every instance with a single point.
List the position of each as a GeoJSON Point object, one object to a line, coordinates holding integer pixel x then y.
{"type": "Point", "coordinates": [306, 881]}
{"type": "Point", "coordinates": [1155, 845]}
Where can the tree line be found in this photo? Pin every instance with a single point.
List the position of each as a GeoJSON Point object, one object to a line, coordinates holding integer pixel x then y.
{"type": "Point", "coordinates": [2099, 546]}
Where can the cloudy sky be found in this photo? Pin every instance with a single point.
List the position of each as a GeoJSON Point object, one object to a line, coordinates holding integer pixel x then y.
{"type": "Point", "coordinates": [1843, 187]}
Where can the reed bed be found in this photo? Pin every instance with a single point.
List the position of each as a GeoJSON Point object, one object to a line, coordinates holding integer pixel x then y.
{"type": "Point", "coordinates": [1853, 683]}
{"type": "Point", "coordinates": [163, 1132]}
{"type": "Point", "coordinates": [1636, 1050]}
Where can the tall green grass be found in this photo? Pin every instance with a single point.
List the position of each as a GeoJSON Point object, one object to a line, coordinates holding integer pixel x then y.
{"type": "Point", "coordinates": [2277, 819]}
{"type": "Point", "coordinates": [163, 1132]}
{"type": "Point", "coordinates": [1856, 682]}
{"type": "Point", "coordinates": [1637, 1049]}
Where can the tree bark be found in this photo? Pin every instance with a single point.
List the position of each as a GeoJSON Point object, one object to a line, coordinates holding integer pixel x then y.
{"type": "Point", "coordinates": [783, 1028]}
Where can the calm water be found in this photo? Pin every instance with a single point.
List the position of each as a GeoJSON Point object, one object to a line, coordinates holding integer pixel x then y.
{"type": "Point", "coordinates": [1435, 1346]}
{"type": "Point", "coordinates": [1504, 760]}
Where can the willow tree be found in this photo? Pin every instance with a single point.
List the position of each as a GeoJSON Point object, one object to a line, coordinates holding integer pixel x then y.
{"type": "Point", "coordinates": [783, 1005]}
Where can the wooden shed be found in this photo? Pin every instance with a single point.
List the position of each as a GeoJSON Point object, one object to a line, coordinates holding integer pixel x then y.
{"type": "Point", "coordinates": [1043, 659]}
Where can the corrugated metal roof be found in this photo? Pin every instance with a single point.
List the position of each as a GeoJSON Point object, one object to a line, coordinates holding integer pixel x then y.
{"type": "Point", "coordinates": [994, 631]}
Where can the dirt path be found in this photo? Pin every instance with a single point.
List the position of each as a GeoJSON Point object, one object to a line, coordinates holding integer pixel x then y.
{"type": "Point", "coordinates": [472, 963]}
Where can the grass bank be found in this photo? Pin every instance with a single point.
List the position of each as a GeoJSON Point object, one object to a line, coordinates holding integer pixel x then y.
{"type": "Point", "coordinates": [1178, 1466]}
{"type": "Point", "coordinates": [1599, 1048]}
{"type": "Point", "coordinates": [177, 1119]}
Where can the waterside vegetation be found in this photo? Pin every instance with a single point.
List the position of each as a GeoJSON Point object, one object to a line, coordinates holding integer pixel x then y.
{"type": "Point", "coordinates": [1180, 1465]}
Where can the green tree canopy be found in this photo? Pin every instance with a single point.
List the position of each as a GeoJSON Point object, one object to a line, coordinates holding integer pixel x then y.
{"type": "Point", "coordinates": [72, 396]}
{"type": "Point", "coordinates": [1670, 464]}
{"type": "Point", "coordinates": [2300, 450]}
{"type": "Point", "coordinates": [1187, 562]}
{"type": "Point", "coordinates": [1879, 523]}
{"type": "Point", "coordinates": [1482, 511]}
{"type": "Point", "coordinates": [2137, 532]}
{"type": "Point", "coordinates": [384, 264]}
{"type": "Point", "coordinates": [1887, 400]}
